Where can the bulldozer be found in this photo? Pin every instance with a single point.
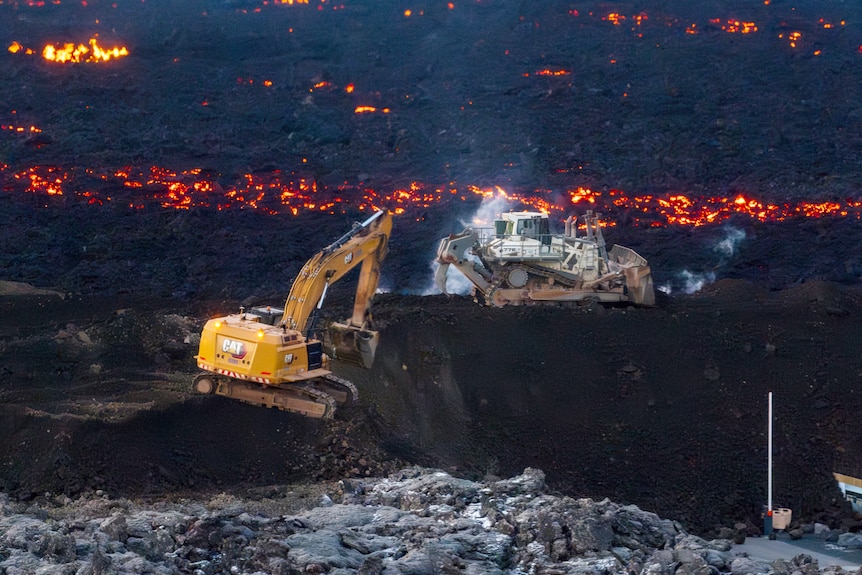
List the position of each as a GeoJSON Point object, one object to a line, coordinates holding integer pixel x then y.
{"type": "Point", "coordinates": [519, 261]}
{"type": "Point", "coordinates": [272, 357]}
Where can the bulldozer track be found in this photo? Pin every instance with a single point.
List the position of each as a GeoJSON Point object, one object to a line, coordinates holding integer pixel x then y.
{"type": "Point", "coordinates": [558, 278]}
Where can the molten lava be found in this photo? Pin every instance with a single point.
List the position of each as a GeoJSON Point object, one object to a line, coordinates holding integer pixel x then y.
{"type": "Point", "coordinates": [735, 26]}
{"type": "Point", "coordinates": [278, 192]}
{"type": "Point", "coordinates": [72, 53]}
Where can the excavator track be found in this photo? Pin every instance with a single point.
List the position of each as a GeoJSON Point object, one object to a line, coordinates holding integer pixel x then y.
{"type": "Point", "coordinates": [346, 386]}
{"type": "Point", "coordinates": [316, 398]}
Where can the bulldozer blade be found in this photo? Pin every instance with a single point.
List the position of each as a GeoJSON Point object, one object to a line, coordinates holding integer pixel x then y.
{"type": "Point", "coordinates": [351, 344]}
{"type": "Point", "coordinates": [440, 276]}
{"type": "Point", "coordinates": [640, 286]}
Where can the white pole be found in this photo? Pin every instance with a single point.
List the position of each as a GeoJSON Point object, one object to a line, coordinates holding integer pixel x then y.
{"type": "Point", "coordinates": [769, 496]}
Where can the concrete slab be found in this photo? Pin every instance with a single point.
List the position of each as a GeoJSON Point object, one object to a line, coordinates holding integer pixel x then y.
{"type": "Point", "coordinates": [782, 547]}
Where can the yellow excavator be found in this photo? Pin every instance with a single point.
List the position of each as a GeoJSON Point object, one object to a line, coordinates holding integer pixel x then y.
{"type": "Point", "coordinates": [271, 356]}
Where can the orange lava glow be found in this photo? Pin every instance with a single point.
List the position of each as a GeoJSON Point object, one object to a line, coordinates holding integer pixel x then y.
{"type": "Point", "coordinates": [20, 129]}
{"type": "Point", "coordinates": [370, 110]}
{"type": "Point", "coordinates": [69, 52]}
{"type": "Point", "coordinates": [280, 192]}
{"type": "Point", "coordinates": [16, 47]}
{"type": "Point", "coordinates": [551, 73]}
{"type": "Point", "coordinates": [829, 25]}
{"type": "Point", "coordinates": [792, 38]}
{"type": "Point", "coordinates": [735, 26]}
{"type": "Point", "coordinates": [615, 18]}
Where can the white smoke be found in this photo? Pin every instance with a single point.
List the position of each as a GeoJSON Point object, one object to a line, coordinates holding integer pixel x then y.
{"type": "Point", "coordinates": [690, 282]}
{"type": "Point", "coordinates": [488, 211]}
{"type": "Point", "coordinates": [484, 216]}
{"type": "Point", "coordinates": [693, 283]}
{"type": "Point", "coordinates": [456, 283]}
{"type": "Point", "coordinates": [727, 246]}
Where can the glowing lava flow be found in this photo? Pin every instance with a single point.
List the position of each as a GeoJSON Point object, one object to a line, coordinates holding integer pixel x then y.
{"type": "Point", "coordinates": [20, 129]}
{"type": "Point", "coordinates": [69, 52]}
{"type": "Point", "coordinates": [278, 192]}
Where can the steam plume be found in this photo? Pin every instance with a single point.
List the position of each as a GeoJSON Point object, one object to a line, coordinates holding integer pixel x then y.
{"type": "Point", "coordinates": [690, 282]}
{"type": "Point", "coordinates": [727, 246]}
{"type": "Point", "coordinates": [484, 216]}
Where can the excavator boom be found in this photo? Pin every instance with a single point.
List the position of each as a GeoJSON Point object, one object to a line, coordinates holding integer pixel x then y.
{"type": "Point", "coordinates": [365, 243]}
{"type": "Point", "coordinates": [352, 341]}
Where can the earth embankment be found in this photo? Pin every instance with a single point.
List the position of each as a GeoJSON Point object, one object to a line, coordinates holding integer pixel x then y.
{"type": "Point", "coordinates": [662, 407]}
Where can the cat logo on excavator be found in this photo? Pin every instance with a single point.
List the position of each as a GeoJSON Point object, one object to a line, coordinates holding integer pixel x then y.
{"type": "Point", "coordinates": [234, 347]}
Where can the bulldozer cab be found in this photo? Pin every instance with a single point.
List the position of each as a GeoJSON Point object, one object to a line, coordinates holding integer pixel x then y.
{"type": "Point", "coordinates": [535, 226]}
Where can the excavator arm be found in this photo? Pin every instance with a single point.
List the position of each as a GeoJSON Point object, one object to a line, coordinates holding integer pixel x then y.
{"type": "Point", "coordinates": [366, 244]}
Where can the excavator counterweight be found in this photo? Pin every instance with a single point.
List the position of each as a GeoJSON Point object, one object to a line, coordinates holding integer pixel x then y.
{"type": "Point", "coordinates": [272, 356]}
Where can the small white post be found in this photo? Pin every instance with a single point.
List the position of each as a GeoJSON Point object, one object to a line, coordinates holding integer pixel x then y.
{"type": "Point", "coordinates": [767, 519]}
{"type": "Point", "coordinates": [769, 498]}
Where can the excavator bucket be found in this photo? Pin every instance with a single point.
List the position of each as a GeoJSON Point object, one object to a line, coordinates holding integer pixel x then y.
{"type": "Point", "coordinates": [351, 344]}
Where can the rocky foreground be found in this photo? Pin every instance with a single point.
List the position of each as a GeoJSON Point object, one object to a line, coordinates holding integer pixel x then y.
{"type": "Point", "coordinates": [415, 521]}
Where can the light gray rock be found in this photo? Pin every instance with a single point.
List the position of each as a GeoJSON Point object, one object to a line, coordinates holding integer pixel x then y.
{"type": "Point", "coordinates": [417, 521]}
{"type": "Point", "coordinates": [153, 545]}
{"type": "Point", "coordinates": [366, 543]}
{"type": "Point", "coordinates": [116, 528]}
{"type": "Point", "coordinates": [322, 547]}
{"type": "Point", "coordinates": [340, 516]}
{"type": "Point", "coordinates": [53, 546]}
{"type": "Point", "coordinates": [138, 525]}
{"type": "Point", "coordinates": [850, 540]}
{"type": "Point", "coordinates": [19, 530]}
{"type": "Point", "coordinates": [416, 489]}
{"type": "Point", "coordinates": [749, 566]}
